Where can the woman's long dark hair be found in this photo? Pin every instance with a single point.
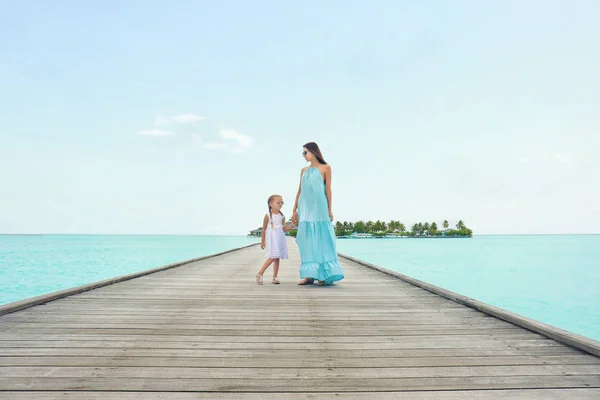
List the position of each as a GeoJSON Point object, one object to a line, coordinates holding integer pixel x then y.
{"type": "Point", "coordinates": [314, 148]}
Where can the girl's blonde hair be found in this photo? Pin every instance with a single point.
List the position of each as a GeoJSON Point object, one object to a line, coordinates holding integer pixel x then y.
{"type": "Point", "coordinates": [271, 198]}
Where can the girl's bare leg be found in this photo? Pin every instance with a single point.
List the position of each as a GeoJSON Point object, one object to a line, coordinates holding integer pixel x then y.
{"type": "Point", "coordinates": [276, 270]}
{"type": "Point", "coordinates": [268, 262]}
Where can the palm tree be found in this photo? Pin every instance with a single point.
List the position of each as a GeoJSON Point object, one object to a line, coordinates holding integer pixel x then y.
{"type": "Point", "coordinates": [392, 225]}
{"type": "Point", "coordinates": [379, 226]}
{"type": "Point", "coordinates": [370, 226]}
{"type": "Point", "coordinates": [339, 229]}
{"type": "Point", "coordinates": [401, 227]}
{"type": "Point", "coordinates": [426, 227]}
{"type": "Point", "coordinates": [433, 229]}
{"type": "Point", "coordinates": [360, 227]}
{"type": "Point", "coordinates": [445, 224]}
{"type": "Point", "coordinates": [460, 225]}
{"type": "Point", "coordinates": [415, 229]}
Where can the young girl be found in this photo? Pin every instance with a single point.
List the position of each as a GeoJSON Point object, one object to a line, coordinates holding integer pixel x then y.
{"type": "Point", "coordinates": [274, 238]}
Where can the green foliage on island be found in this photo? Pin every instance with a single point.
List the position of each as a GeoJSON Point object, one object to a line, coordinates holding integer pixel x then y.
{"type": "Point", "coordinates": [379, 228]}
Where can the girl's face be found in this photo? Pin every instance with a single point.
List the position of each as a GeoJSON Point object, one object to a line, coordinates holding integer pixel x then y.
{"type": "Point", "coordinates": [276, 203]}
{"type": "Point", "coordinates": [308, 156]}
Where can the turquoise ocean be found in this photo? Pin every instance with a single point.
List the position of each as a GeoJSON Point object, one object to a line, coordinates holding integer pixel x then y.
{"type": "Point", "coordinates": [551, 278]}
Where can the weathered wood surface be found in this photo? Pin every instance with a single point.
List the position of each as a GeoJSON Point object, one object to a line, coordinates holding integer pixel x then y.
{"type": "Point", "coordinates": [205, 330]}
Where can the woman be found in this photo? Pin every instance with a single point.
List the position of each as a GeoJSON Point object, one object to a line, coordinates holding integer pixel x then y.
{"type": "Point", "coordinates": [316, 237]}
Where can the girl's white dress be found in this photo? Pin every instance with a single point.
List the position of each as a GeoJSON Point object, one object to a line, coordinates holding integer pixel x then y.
{"type": "Point", "coordinates": [275, 241]}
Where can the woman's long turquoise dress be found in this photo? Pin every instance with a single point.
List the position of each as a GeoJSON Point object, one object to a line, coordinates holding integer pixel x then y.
{"type": "Point", "coordinates": [316, 236]}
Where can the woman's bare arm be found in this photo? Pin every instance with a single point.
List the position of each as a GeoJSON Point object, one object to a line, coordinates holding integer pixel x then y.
{"type": "Point", "coordinates": [328, 187]}
{"type": "Point", "coordinates": [295, 210]}
{"type": "Point", "coordinates": [286, 227]}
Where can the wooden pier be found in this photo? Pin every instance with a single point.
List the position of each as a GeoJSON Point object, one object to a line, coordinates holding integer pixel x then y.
{"type": "Point", "coordinates": [205, 330]}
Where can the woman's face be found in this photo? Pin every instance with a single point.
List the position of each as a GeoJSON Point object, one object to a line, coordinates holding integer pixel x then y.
{"type": "Point", "coordinates": [308, 156]}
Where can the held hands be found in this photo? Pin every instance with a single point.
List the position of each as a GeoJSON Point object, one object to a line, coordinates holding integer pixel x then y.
{"type": "Point", "coordinates": [295, 217]}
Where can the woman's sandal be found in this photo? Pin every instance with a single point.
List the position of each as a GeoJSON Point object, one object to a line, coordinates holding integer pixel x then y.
{"type": "Point", "coordinates": [259, 279]}
{"type": "Point", "coordinates": [276, 281]}
{"type": "Point", "coordinates": [306, 281]}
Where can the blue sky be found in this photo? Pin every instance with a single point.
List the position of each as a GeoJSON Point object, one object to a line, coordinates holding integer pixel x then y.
{"type": "Point", "coordinates": [182, 117]}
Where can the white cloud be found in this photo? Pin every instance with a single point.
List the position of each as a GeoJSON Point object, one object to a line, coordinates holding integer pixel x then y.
{"type": "Point", "coordinates": [563, 158]}
{"type": "Point", "coordinates": [243, 142]}
{"type": "Point", "coordinates": [186, 118]}
{"type": "Point", "coordinates": [155, 132]}
{"type": "Point", "coordinates": [233, 142]}
{"type": "Point", "coordinates": [197, 139]}
{"type": "Point", "coordinates": [214, 145]}
{"type": "Point", "coordinates": [161, 120]}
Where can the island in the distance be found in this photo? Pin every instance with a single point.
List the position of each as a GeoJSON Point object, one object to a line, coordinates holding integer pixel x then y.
{"type": "Point", "coordinates": [392, 229]}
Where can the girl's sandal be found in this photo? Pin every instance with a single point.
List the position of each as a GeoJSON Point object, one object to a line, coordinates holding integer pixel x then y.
{"type": "Point", "coordinates": [306, 281]}
{"type": "Point", "coordinates": [259, 279]}
{"type": "Point", "coordinates": [276, 281]}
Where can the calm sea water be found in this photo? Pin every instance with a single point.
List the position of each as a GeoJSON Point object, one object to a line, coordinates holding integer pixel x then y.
{"type": "Point", "coordinates": [551, 278]}
{"type": "Point", "coordinates": [31, 265]}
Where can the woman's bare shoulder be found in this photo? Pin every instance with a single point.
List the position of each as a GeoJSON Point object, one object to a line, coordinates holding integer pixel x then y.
{"type": "Point", "coordinates": [324, 167]}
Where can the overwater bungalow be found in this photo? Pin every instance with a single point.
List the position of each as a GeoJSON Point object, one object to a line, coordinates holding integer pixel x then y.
{"type": "Point", "coordinates": [256, 232]}
{"type": "Point", "coordinates": [356, 235]}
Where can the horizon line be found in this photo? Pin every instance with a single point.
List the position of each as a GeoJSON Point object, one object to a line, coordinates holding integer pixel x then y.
{"type": "Point", "coordinates": [245, 234]}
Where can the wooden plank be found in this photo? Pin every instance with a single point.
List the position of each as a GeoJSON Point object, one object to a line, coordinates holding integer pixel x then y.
{"type": "Point", "coordinates": [300, 385]}
{"type": "Point", "coordinates": [262, 332]}
{"type": "Point", "coordinates": [34, 336]}
{"type": "Point", "coordinates": [297, 373]}
{"type": "Point", "coordinates": [316, 351]}
{"type": "Point", "coordinates": [323, 322]}
{"type": "Point", "coordinates": [529, 394]}
{"type": "Point", "coordinates": [304, 362]}
{"type": "Point", "coordinates": [413, 343]}
{"type": "Point", "coordinates": [422, 318]}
